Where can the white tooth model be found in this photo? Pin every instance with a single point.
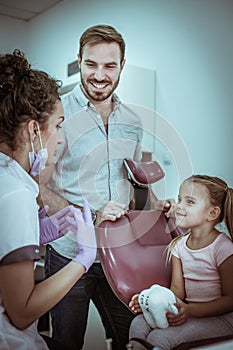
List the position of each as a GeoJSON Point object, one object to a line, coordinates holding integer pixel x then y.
{"type": "Point", "coordinates": [155, 302]}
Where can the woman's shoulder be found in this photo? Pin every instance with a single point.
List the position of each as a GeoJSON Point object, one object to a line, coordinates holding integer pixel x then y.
{"type": "Point", "coordinates": [11, 186]}
{"type": "Point", "coordinates": [9, 183]}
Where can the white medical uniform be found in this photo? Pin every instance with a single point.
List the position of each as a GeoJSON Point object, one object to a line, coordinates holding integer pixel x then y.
{"type": "Point", "coordinates": [19, 237]}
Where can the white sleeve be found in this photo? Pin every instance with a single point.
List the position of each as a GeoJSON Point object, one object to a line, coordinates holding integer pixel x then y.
{"type": "Point", "coordinates": [19, 224]}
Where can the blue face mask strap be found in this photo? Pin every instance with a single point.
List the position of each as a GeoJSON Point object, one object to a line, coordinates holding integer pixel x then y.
{"type": "Point", "coordinates": [37, 159]}
{"type": "Point", "coordinates": [41, 145]}
{"type": "Point", "coordinates": [33, 149]}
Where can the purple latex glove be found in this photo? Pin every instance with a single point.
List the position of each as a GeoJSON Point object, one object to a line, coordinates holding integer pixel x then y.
{"type": "Point", "coordinates": [55, 226]}
{"type": "Point", "coordinates": [86, 239]}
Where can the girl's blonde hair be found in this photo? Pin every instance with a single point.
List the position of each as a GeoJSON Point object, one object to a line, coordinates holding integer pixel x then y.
{"type": "Point", "coordinates": [220, 195]}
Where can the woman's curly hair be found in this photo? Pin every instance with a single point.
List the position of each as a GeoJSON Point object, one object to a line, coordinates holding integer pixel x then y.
{"type": "Point", "coordinates": [25, 94]}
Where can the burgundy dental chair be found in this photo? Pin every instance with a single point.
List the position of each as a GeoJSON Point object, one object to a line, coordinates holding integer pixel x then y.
{"type": "Point", "coordinates": [133, 248]}
{"type": "Point", "coordinates": [133, 252]}
{"type": "Point", "coordinates": [141, 175]}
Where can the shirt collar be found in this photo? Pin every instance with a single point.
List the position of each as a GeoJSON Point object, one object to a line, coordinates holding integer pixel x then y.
{"type": "Point", "coordinates": [21, 174]}
{"type": "Point", "coordinates": [80, 97]}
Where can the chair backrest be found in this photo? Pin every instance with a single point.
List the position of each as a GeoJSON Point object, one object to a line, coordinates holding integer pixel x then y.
{"type": "Point", "coordinates": [133, 251]}
{"type": "Point", "coordinates": [145, 173]}
{"type": "Point", "coordinates": [141, 175]}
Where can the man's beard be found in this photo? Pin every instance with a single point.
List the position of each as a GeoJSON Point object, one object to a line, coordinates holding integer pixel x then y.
{"type": "Point", "coordinates": [98, 96]}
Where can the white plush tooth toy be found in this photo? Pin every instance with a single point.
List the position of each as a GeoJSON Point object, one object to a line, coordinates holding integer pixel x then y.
{"type": "Point", "coordinates": [155, 302]}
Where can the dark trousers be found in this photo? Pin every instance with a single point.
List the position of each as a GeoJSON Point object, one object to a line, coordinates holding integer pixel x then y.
{"type": "Point", "coordinates": [69, 316]}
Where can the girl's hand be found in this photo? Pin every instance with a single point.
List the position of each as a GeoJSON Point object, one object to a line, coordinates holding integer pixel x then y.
{"type": "Point", "coordinates": [134, 305]}
{"type": "Point", "coordinates": [183, 315]}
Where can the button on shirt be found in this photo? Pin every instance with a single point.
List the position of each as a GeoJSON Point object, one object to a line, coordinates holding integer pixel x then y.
{"type": "Point", "coordinates": [90, 162]}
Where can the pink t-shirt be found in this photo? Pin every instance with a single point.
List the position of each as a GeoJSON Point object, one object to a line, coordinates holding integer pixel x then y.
{"type": "Point", "coordinates": [200, 267]}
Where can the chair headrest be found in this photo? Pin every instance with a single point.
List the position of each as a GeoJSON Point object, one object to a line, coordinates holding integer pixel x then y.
{"type": "Point", "coordinates": [143, 173]}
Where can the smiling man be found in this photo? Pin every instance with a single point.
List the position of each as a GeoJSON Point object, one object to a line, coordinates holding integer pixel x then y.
{"type": "Point", "coordinates": [99, 131]}
{"type": "Point", "coordinates": [100, 65]}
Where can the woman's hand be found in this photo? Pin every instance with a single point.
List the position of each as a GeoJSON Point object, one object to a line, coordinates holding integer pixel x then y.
{"type": "Point", "coordinates": [87, 246]}
{"type": "Point", "coordinates": [56, 225]}
{"type": "Point", "coordinates": [134, 304]}
{"type": "Point", "coordinates": [183, 315]}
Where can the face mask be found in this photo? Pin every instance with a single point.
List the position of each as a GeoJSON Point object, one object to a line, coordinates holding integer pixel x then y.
{"type": "Point", "coordinates": [38, 159]}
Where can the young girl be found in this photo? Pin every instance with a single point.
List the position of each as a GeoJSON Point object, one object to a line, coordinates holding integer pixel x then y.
{"type": "Point", "coordinates": [202, 265]}
{"type": "Point", "coordinates": [30, 119]}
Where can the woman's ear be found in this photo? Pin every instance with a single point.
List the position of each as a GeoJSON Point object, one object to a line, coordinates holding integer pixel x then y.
{"type": "Point", "coordinates": [214, 213]}
{"type": "Point", "coordinates": [32, 129]}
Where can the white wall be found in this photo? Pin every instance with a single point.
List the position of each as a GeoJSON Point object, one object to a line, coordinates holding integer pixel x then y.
{"type": "Point", "coordinates": [13, 34]}
{"type": "Point", "coordinates": [187, 42]}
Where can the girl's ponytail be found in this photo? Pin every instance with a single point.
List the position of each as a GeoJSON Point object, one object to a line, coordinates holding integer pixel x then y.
{"type": "Point", "coordinates": [228, 210]}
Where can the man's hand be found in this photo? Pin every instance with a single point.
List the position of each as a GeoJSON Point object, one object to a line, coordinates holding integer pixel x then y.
{"type": "Point", "coordinates": [167, 206]}
{"type": "Point", "coordinates": [111, 211]}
